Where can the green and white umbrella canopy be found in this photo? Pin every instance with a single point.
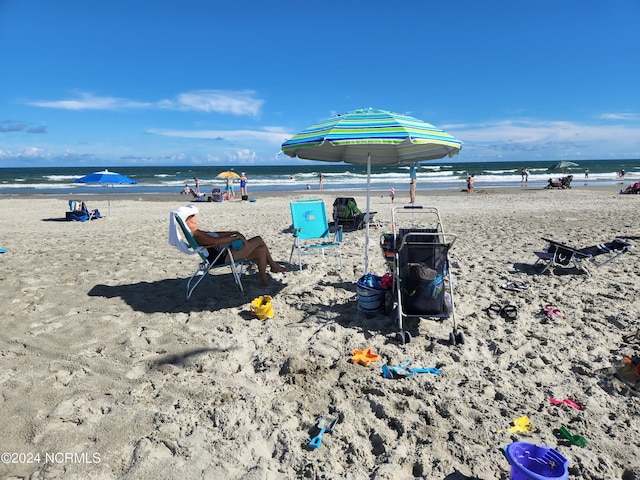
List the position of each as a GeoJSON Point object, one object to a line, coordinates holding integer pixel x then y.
{"type": "Point", "coordinates": [369, 135]}
{"type": "Point", "coordinates": [372, 137]}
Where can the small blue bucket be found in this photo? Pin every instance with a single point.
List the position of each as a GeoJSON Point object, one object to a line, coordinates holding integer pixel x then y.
{"type": "Point", "coordinates": [533, 462]}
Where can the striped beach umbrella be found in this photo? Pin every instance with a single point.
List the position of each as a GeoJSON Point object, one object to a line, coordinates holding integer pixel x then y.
{"type": "Point", "coordinates": [372, 137]}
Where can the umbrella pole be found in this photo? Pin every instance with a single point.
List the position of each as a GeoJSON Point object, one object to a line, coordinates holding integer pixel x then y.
{"type": "Point", "coordinates": [366, 217]}
{"type": "Point", "coordinates": [109, 200]}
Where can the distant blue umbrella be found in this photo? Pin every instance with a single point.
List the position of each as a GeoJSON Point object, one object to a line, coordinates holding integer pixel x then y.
{"type": "Point", "coordinates": [106, 178]}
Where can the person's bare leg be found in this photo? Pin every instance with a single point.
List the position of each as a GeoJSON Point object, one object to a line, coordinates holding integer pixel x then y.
{"type": "Point", "coordinates": [256, 250]}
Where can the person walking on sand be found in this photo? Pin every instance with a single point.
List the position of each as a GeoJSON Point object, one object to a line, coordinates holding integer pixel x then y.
{"type": "Point", "coordinates": [470, 183]}
{"type": "Point", "coordinates": [197, 182]}
{"type": "Point", "coordinates": [586, 173]}
{"type": "Point", "coordinates": [321, 181]}
{"type": "Point", "coordinates": [392, 194]}
{"type": "Point", "coordinates": [412, 191]}
{"type": "Point", "coordinates": [243, 185]}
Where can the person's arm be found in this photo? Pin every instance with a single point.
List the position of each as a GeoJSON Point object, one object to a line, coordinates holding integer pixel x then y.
{"type": "Point", "coordinates": [223, 238]}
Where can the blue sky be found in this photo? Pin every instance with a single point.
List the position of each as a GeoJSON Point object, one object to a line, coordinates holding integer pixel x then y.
{"type": "Point", "coordinates": [102, 83]}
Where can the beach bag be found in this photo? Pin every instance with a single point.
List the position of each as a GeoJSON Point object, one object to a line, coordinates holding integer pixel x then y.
{"type": "Point", "coordinates": [370, 293]}
{"type": "Point", "coordinates": [423, 289]}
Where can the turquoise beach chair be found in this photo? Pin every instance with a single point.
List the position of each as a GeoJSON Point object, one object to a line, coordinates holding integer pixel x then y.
{"type": "Point", "coordinates": [182, 239]}
{"type": "Point", "coordinates": [311, 230]}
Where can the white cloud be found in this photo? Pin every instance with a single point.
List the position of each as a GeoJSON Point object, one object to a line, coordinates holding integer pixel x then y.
{"type": "Point", "coordinates": [236, 103]}
{"type": "Point", "coordinates": [274, 136]}
{"type": "Point", "coordinates": [220, 101]}
{"type": "Point", "coordinates": [620, 116]}
{"type": "Point", "coordinates": [87, 101]}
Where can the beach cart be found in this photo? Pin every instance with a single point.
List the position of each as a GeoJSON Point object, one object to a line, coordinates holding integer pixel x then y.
{"type": "Point", "coordinates": [423, 287]}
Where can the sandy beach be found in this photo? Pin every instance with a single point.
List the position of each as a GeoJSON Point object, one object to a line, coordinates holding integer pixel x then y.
{"type": "Point", "coordinates": [110, 373]}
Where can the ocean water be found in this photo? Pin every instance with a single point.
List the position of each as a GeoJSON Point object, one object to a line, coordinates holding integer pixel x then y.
{"type": "Point", "coordinates": [437, 175]}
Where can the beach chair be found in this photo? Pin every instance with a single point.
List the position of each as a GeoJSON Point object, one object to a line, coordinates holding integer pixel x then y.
{"type": "Point", "coordinates": [216, 195]}
{"type": "Point", "coordinates": [78, 212]}
{"type": "Point", "coordinates": [346, 212]}
{"type": "Point", "coordinates": [181, 238]}
{"type": "Point", "coordinates": [311, 230]}
{"type": "Point", "coordinates": [560, 255]}
{"type": "Point", "coordinates": [422, 282]}
{"type": "Point", "coordinates": [561, 183]}
{"type": "Point", "coordinates": [198, 197]}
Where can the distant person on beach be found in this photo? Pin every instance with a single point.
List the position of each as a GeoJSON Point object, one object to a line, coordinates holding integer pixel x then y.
{"type": "Point", "coordinates": [321, 181]}
{"type": "Point", "coordinates": [412, 191]}
{"type": "Point", "coordinates": [392, 194]}
{"type": "Point", "coordinates": [308, 187]}
{"type": "Point", "coordinates": [186, 190]}
{"type": "Point", "coordinates": [253, 249]}
{"type": "Point", "coordinates": [586, 173]}
{"type": "Point", "coordinates": [522, 174]}
{"type": "Point", "coordinates": [197, 181]}
{"type": "Point", "coordinates": [622, 173]}
{"type": "Point", "coordinates": [243, 185]}
{"type": "Point", "coordinates": [470, 183]}
{"type": "Point", "coordinates": [229, 191]}
{"type": "Point", "coordinates": [526, 175]}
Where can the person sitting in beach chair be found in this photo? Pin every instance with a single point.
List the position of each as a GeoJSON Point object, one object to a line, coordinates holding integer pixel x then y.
{"type": "Point", "coordinates": [557, 254]}
{"type": "Point", "coordinates": [632, 189]}
{"type": "Point", "coordinates": [198, 197]}
{"type": "Point", "coordinates": [562, 183]}
{"type": "Point", "coordinates": [217, 245]}
{"type": "Point", "coordinates": [78, 212]}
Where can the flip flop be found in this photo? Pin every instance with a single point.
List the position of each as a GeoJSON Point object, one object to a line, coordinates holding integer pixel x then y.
{"type": "Point", "coordinates": [552, 311]}
{"type": "Point", "coordinates": [509, 312]}
{"type": "Point", "coordinates": [494, 310]}
{"type": "Point", "coordinates": [515, 286]}
{"type": "Point", "coordinates": [632, 337]}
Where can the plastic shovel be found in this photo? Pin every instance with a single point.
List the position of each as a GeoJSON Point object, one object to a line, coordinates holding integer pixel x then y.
{"type": "Point", "coordinates": [325, 425]}
{"type": "Point", "coordinates": [577, 440]}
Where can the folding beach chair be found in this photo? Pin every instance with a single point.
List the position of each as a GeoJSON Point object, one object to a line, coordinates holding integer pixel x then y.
{"type": "Point", "coordinates": [311, 230]}
{"type": "Point", "coordinates": [79, 212]}
{"type": "Point", "coordinates": [181, 238]}
{"type": "Point", "coordinates": [422, 282]}
{"type": "Point", "coordinates": [198, 197]}
{"type": "Point", "coordinates": [346, 212]}
{"type": "Point", "coordinates": [559, 255]}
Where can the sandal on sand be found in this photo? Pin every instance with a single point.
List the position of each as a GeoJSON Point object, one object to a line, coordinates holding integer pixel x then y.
{"type": "Point", "coordinates": [552, 311]}
{"type": "Point", "coordinates": [494, 310]}
{"type": "Point", "coordinates": [515, 286]}
{"type": "Point", "coordinates": [632, 337]}
{"type": "Point", "coordinates": [509, 312]}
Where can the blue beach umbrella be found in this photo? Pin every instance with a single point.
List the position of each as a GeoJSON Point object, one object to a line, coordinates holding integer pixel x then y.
{"type": "Point", "coordinates": [106, 178]}
{"type": "Point", "coordinates": [372, 137]}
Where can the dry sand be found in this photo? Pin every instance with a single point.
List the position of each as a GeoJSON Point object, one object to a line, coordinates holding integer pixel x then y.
{"type": "Point", "coordinates": [108, 372]}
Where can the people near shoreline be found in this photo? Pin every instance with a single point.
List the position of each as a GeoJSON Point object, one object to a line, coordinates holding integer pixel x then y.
{"type": "Point", "coordinates": [621, 174]}
{"type": "Point", "coordinates": [186, 190]}
{"type": "Point", "coordinates": [197, 182]}
{"type": "Point", "coordinates": [321, 182]}
{"type": "Point", "coordinates": [229, 190]}
{"type": "Point", "coordinates": [470, 182]}
{"type": "Point", "coordinates": [243, 185]}
{"type": "Point", "coordinates": [412, 191]}
{"type": "Point", "coordinates": [392, 194]}
{"type": "Point", "coordinates": [524, 174]}
{"type": "Point", "coordinates": [586, 173]}
{"type": "Point", "coordinates": [254, 249]}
